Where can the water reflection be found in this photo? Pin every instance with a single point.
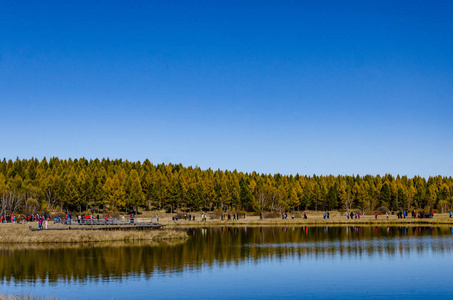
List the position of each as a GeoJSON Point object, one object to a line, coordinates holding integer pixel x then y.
{"type": "Point", "coordinates": [216, 246]}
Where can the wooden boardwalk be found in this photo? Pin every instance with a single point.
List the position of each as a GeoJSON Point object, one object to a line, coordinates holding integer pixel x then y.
{"type": "Point", "coordinates": [126, 226]}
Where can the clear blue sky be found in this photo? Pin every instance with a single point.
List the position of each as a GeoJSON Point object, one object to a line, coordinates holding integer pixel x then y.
{"type": "Point", "coordinates": [319, 87]}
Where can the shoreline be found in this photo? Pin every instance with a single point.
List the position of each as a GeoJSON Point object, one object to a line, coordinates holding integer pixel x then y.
{"type": "Point", "coordinates": [314, 219]}
{"type": "Point", "coordinates": [21, 234]}
{"type": "Point", "coordinates": [86, 245]}
{"type": "Point", "coordinates": [267, 223]}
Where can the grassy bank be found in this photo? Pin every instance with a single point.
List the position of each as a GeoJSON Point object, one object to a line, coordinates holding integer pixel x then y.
{"type": "Point", "coordinates": [19, 233]}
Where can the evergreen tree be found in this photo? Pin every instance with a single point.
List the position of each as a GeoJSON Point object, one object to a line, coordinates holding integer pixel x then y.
{"type": "Point", "coordinates": [136, 197]}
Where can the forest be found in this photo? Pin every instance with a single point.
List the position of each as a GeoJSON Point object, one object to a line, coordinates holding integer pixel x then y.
{"type": "Point", "coordinates": [112, 186]}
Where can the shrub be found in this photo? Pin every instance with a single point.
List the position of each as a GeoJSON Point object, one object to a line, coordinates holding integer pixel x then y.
{"type": "Point", "coordinates": [271, 215]}
{"type": "Point", "coordinates": [215, 215]}
{"type": "Point", "coordinates": [382, 210]}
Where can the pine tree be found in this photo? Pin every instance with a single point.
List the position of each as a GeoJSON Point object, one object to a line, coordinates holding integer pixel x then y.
{"type": "Point", "coordinates": [136, 197]}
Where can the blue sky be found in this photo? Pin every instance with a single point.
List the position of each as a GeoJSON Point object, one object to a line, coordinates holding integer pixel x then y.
{"type": "Point", "coordinates": [321, 87]}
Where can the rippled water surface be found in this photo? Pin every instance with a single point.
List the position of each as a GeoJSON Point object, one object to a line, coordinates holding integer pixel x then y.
{"type": "Point", "coordinates": [243, 262]}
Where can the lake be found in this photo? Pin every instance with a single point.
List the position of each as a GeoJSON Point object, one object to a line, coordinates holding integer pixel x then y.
{"type": "Point", "coordinates": [243, 262]}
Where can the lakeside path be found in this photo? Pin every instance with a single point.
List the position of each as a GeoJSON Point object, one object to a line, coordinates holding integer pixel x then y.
{"type": "Point", "coordinates": [314, 219]}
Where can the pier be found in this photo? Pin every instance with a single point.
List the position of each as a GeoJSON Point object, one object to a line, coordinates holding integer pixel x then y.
{"type": "Point", "coordinates": [117, 226]}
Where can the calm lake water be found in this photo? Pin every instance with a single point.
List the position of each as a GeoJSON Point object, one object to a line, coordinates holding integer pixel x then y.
{"type": "Point", "coordinates": [244, 262]}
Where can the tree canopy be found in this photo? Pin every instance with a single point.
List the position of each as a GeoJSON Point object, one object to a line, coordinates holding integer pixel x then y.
{"type": "Point", "coordinates": [29, 186]}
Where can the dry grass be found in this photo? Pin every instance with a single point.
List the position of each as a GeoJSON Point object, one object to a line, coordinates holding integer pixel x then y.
{"type": "Point", "coordinates": [79, 245]}
{"type": "Point", "coordinates": [19, 233]}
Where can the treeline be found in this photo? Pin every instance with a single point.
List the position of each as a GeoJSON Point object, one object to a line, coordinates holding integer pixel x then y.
{"type": "Point", "coordinates": [30, 186]}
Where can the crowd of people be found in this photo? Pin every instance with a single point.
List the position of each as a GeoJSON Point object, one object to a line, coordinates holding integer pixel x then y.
{"type": "Point", "coordinates": [84, 218]}
{"type": "Point", "coordinates": [235, 217]}
{"type": "Point", "coordinates": [45, 218]}
{"type": "Point", "coordinates": [189, 217]}
{"type": "Point", "coordinates": [352, 215]}
{"type": "Point", "coordinates": [19, 219]}
{"type": "Point", "coordinates": [422, 214]}
{"type": "Point", "coordinates": [399, 215]}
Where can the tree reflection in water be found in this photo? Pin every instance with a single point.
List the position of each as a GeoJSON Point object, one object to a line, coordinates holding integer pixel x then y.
{"type": "Point", "coordinates": [210, 246]}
